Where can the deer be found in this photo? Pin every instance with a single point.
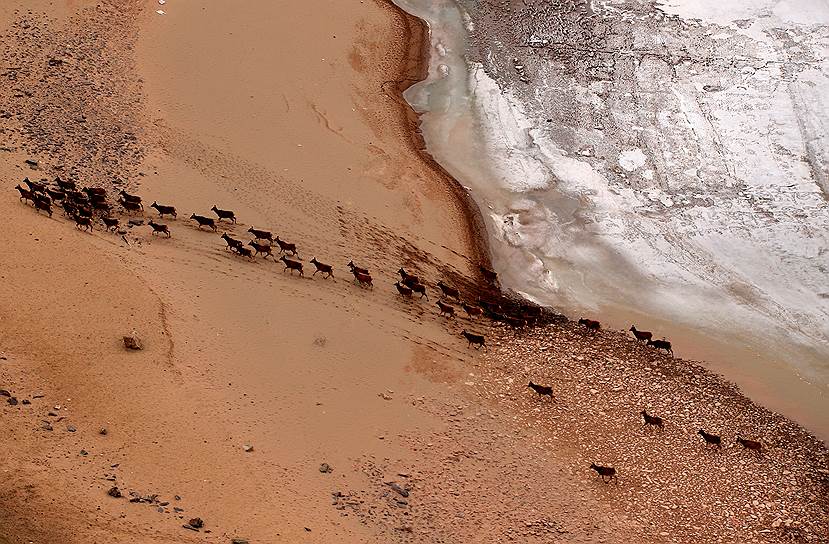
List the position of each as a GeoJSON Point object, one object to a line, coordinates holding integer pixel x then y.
{"type": "Point", "coordinates": [292, 265]}
{"type": "Point", "coordinates": [710, 439]}
{"type": "Point", "coordinates": [83, 222]}
{"type": "Point", "coordinates": [652, 421]}
{"type": "Point", "coordinates": [644, 336]}
{"type": "Point", "coordinates": [224, 214]}
{"type": "Point", "coordinates": [326, 269]}
{"type": "Point", "coordinates": [592, 326]}
{"type": "Point", "coordinates": [605, 472]}
{"type": "Point", "coordinates": [474, 339]}
{"type": "Point", "coordinates": [418, 288]}
{"type": "Point", "coordinates": [449, 291]}
{"type": "Point", "coordinates": [542, 390]}
{"type": "Point", "coordinates": [129, 198]}
{"type": "Point", "coordinates": [662, 344]}
{"type": "Point", "coordinates": [164, 210]}
{"type": "Point", "coordinates": [408, 279]}
{"type": "Point", "coordinates": [232, 243]}
{"type": "Point", "coordinates": [204, 221]}
{"type": "Point", "coordinates": [242, 251]}
{"type": "Point", "coordinates": [45, 205]}
{"type": "Point", "coordinates": [159, 228]}
{"type": "Point", "coordinates": [25, 194]}
{"type": "Point", "coordinates": [363, 280]}
{"type": "Point", "coordinates": [131, 206]}
{"type": "Point", "coordinates": [263, 248]}
{"type": "Point", "coordinates": [446, 309]}
{"type": "Point", "coordinates": [111, 223]}
{"type": "Point", "coordinates": [404, 290]}
{"type": "Point", "coordinates": [753, 445]}
{"type": "Point", "coordinates": [471, 310]}
{"type": "Point", "coordinates": [286, 247]}
{"type": "Point", "coordinates": [261, 234]}
{"type": "Point", "coordinates": [354, 268]}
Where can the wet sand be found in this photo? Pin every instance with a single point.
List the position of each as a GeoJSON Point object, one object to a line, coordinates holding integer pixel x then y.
{"type": "Point", "coordinates": [309, 139]}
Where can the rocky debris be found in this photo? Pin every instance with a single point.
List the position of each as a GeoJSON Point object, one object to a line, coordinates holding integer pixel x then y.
{"type": "Point", "coordinates": [114, 492]}
{"type": "Point", "coordinates": [325, 468]}
{"type": "Point", "coordinates": [132, 342]}
{"type": "Point", "coordinates": [400, 490]}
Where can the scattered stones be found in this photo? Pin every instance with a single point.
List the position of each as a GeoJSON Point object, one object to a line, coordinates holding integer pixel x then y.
{"type": "Point", "coordinates": [325, 468]}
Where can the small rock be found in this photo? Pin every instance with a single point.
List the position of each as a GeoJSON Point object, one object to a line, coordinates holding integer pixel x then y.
{"type": "Point", "coordinates": [46, 426]}
{"type": "Point", "coordinates": [114, 492]}
{"type": "Point", "coordinates": [84, 453]}
{"type": "Point", "coordinates": [198, 523]}
{"type": "Point", "coordinates": [4, 393]}
{"type": "Point", "coordinates": [239, 541]}
{"type": "Point", "coordinates": [248, 448]}
{"type": "Point", "coordinates": [403, 492]}
{"type": "Point", "coordinates": [71, 428]}
{"type": "Point", "coordinates": [32, 163]}
{"type": "Point", "coordinates": [325, 468]}
{"type": "Point", "coordinates": [103, 431]}
{"type": "Point", "coordinates": [12, 401]}
{"type": "Point", "coordinates": [25, 401]}
{"type": "Point", "coordinates": [386, 396]}
{"type": "Point", "coordinates": [133, 342]}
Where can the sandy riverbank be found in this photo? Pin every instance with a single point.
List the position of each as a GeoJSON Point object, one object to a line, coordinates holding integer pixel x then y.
{"type": "Point", "coordinates": [289, 119]}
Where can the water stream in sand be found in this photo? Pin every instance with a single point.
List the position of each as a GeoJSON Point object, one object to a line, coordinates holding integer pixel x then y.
{"type": "Point", "coordinates": [549, 242]}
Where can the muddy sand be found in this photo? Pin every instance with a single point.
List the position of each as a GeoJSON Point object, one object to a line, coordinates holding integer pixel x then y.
{"type": "Point", "coordinates": [281, 408]}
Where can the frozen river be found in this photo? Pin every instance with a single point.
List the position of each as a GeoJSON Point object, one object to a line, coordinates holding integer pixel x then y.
{"type": "Point", "coordinates": [663, 163]}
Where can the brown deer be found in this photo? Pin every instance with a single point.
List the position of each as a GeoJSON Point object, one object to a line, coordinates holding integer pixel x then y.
{"type": "Point", "coordinates": [474, 340]}
{"type": "Point", "coordinates": [164, 210]}
{"type": "Point", "coordinates": [471, 310]}
{"type": "Point", "coordinates": [363, 280]}
{"type": "Point", "coordinates": [605, 472]}
{"type": "Point", "coordinates": [403, 290]}
{"type": "Point", "coordinates": [326, 269]}
{"type": "Point", "coordinates": [159, 228]}
{"type": "Point", "coordinates": [224, 214]}
{"type": "Point", "coordinates": [261, 234]}
{"type": "Point", "coordinates": [292, 265]}
{"type": "Point", "coordinates": [204, 221]}
{"type": "Point", "coordinates": [643, 336]}
{"type": "Point", "coordinates": [263, 248]}
{"type": "Point", "coordinates": [710, 439]}
{"type": "Point", "coordinates": [652, 421]}
{"type": "Point", "coordinates": [286, 247]}
{"type": "Point", "coordinates": [449, 291]}
{"type": "Point", "coordinates": [542, 390]}
{"type": "Point", "coordinates": [446, 309]}
{"type": "Point", "coordinates": [592, 326]}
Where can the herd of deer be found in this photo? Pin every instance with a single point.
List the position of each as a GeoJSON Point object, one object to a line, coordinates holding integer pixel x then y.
{"type": "Point", "coordinates": [84, 205]}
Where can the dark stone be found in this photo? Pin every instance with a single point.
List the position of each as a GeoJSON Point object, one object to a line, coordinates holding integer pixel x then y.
{"type": "Point", "coordinates": [403, 492]}
{"type": "Point", "coordinates": [12, 401]}
{"type": "Point", "coordinates": [325, 468]}
{"type": "Point", "coordinates": [71, 428]}
{"type": "Point", "coordinates": [198, 523]}
{"type": "Point", "coordinates": [4, 393]}
{"type": "Point", "coordinates": [114, 492]}
{"type": "Point", "coordinates": [26, 401]}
